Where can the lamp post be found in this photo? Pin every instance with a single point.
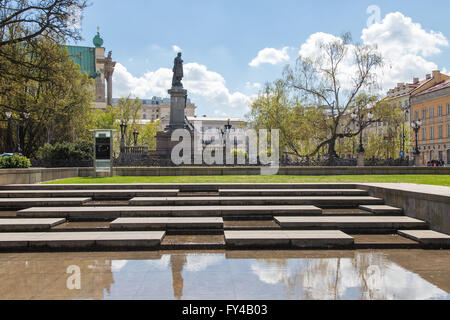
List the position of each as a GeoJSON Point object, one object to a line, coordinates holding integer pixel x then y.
{"type": "Point", "coordinates": [405, 110]}
{"type": "Point", "coordinates": [123, 132]}
{"type": "Point", "coordinates": [358, 118]}
{"type": "Point", "coordinates": [135, 136]}
{"type": "Point", "coordinates": [416, 124]}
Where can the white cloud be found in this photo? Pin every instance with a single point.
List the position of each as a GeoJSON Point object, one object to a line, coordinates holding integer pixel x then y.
{"type": "Point", "coordinates": [176, 48]}
{"type": "Point", "coordinates": [270, 55]}
{"type": "Point", "coordinates": [198, 80]}
{"type": "Point", "coordinates": [405, 46]}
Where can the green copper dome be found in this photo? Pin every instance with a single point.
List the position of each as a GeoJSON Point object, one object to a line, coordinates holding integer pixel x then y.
{"type": "Point", "coordinates": [98, 41]}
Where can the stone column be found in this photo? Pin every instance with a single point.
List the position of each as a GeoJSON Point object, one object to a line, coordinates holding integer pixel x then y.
{"type": "Point", "coordinates": [360, 159]}
{"type": "Point", "coordinates": [178, 97]}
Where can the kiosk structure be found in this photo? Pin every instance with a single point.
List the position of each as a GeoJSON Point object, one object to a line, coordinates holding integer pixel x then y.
{"type": "Point", "coordinates": [103, 152]}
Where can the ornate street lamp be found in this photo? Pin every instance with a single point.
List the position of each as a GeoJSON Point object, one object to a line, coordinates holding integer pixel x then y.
{"type": "Point", "coordinates": [135, 136]}
{"type": "Point", "coordinates": [359, 119]}
{"type": "Point", "coordinates": [228, 126]}
{"type": "Point", "coordinates": [123, 132]}
{"type": "Point", "coordinates": [405, 110]}
{"type": "Point", "coordinates": [416, 124]}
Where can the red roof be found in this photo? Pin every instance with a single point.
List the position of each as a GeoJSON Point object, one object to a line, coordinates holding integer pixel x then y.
{"type": "Point", "coordinates": [439, 86]}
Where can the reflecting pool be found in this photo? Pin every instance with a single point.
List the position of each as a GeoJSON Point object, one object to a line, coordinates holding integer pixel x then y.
{"type": "Point", "coordinates": [390, 274]}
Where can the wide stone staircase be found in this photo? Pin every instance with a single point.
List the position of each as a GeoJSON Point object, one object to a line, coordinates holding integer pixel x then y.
{"type": "Point", "coordinates": [204, 216]}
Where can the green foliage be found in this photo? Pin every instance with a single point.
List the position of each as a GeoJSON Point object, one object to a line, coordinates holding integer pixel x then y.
{"type": "Point", "coordinates": [16, 161]}
{"type": "Point", "coordinates": [79, 150]}
{"type": "Point", "coordinates": [301, 128]}
{"type": "Point", "coordinates": [46, 84]}
{"type": "Point", "coordinates": [147, 136]}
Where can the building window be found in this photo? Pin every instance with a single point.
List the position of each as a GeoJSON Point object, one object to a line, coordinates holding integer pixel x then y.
{"type": "Point", "coordinates": [448, 130]}
{"type": "Point", "coordinates": [416, 115]}
{"type": "Point", "coordinates": [448, 109]}
{"type": "Point", "coordinates": [431, 133]}
{"type": "Point", "coordinates": [439, 111]}
{"type": "Point", "coordinates": [424, 133]}
{"type": "Point", "coordinates": [144, 116]}
{"type": "Point", "coordinates": [431, 112]}
{"type": "Point", "coordinates": [424, 114]}
{"type": "Point", "coordinates": [440, 132]}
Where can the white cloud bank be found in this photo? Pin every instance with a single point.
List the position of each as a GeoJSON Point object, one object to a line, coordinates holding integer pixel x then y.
{"type": "Point", "coordinates": [271, 56]}
{"type": "Point", "coordinates": [198, 80]}
{"type": "Point", "coordinates": [176, 49]}
{"type": "Point", "coordinates": [405, 46]}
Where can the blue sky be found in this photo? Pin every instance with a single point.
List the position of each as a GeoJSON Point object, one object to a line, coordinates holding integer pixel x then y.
{"type": "Point", "coordinates": [219, 39]}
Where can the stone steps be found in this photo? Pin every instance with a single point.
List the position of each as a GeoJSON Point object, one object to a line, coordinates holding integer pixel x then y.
{"type": "Point", "coordinates": [81, 227]}
{"type": "Point", "coordinates": [183, 187]}
{"type": "Point", "coordinates": [167, 223]}
{"type": "Point", "coordinates": [262, 200]}
{"type": "Point", "coordinates": [382, 209]}
{"type": "Point", "coordinates": [383, 241]}
{"type": "Point", "coordinates": [288, 239]}
{"type": "Point", "coordinates": [94, 194]}
{"type": "Point", "coordinates": [28, 225]}
{"type": "Point", "coordinates": [345, 212]}
{"type": "Point", "coordinates": [61, 241]}
{"type": "Point", "coordinates": [360, 224]}
{"type": "Point", "coordinates": [102, 213]}
{"type": "Point", "coordinates": [20, 203]}
{"type": "Point", "coordinates": [427, 238]}
{"type": "Point", "coordinates": [291, 192]}
{"type": "Point", "coordinates": [193, 242]}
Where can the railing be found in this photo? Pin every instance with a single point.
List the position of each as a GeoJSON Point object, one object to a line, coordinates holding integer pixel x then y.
{"type": "Point", "coordinates": [136, 150]}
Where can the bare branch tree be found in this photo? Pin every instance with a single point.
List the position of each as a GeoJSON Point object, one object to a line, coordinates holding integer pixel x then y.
{"type": "Point", "coordinates": [322, 82]}
{"type": "Point", "coordinates": [24, 20]}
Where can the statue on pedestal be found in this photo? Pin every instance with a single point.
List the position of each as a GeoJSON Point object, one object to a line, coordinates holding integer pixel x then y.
{"type": "Point", "coordinates": [177, 71]}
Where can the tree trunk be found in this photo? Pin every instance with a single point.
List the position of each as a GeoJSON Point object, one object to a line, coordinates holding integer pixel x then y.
{"type": "Point", "coordinates": [332, 148]}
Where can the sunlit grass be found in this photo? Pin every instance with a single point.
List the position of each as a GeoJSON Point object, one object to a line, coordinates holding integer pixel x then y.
{"type": "Point", "coordinates": [440, 180]}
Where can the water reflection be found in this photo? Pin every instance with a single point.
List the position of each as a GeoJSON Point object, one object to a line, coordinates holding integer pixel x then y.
{"type": "Point", "coordinates": [407, 274]}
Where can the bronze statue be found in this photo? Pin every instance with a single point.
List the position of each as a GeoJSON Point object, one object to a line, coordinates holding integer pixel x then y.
{"type": "Point", "coordinates": [177, 71]}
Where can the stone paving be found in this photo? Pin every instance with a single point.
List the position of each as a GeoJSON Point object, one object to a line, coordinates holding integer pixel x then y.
{"type": "Point", "coordinates": [210, 216]}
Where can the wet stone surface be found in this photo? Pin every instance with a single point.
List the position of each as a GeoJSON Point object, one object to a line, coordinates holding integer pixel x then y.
{"type": "Point", "coordinates": [361, 274]}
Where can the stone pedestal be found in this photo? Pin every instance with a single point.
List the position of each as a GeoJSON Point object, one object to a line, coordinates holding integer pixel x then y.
{"type": "Point", "coordinates": [360, 158]}
{"type": "Point", "coordinates": [417, 160]}
{"type": "Point", "coordinates": [178, 97]}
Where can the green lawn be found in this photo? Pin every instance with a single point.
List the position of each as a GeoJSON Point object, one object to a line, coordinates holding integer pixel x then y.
{"type": "Point", "coordinates": [440, 180]}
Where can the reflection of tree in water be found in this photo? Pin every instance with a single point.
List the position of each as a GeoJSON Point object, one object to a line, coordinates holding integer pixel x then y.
{"type": "Point", "coordinates": [330, 278]}
{"type": "Point", "coordinates": [177, 263]}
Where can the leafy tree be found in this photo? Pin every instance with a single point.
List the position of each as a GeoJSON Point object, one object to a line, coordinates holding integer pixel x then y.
{"type": "Point", "coordinates": [50, 104]}
{"type": "Point", "coordinates": [319, 83]}
{"type": "Point", "coordinates": [276, 108]}
{"type": "Point", "coordinates": [147, 136]}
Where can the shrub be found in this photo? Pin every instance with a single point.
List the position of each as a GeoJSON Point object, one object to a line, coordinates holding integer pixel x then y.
{"type": "Point", "coordinates": [79, 150]}
{"type": "Point", "coordinates": [16, 161]}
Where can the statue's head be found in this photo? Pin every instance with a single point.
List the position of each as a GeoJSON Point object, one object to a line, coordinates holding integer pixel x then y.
{"type": "Point", "coordinates": [179, 54]}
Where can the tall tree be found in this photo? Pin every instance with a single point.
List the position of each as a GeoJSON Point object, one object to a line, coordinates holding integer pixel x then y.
{"type": "Point", "coordinates": [25, 20]}
{"type": "Point", "coordinates": [49, 105]}
{"type": "Point", "coordinates": [320, 82]}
